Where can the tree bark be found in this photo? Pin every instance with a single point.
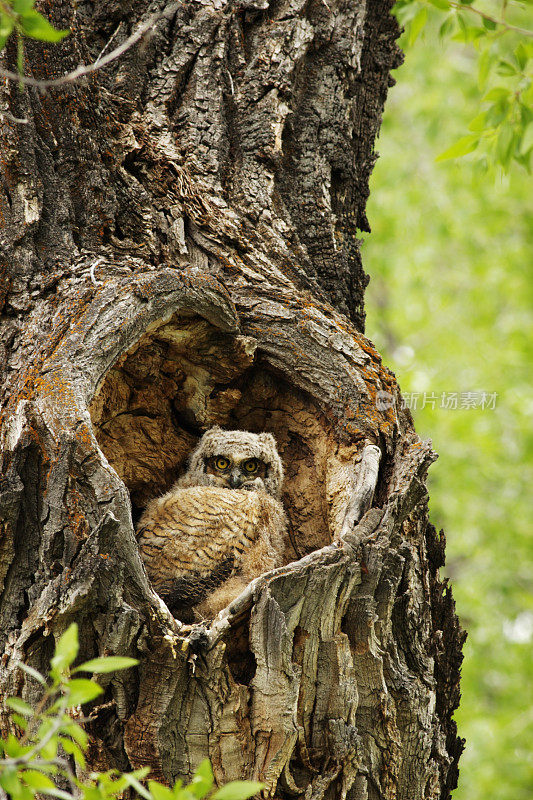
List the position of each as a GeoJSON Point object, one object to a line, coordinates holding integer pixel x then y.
{"type": "Point", "coordinates": [179, 249]}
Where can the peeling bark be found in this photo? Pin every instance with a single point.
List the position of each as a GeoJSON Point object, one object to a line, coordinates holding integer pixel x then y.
{"type": "Point", "coordinates": [179, 249]}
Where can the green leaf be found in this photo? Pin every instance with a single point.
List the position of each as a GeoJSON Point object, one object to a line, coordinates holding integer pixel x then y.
{"type": "Point", "coordinates": [6, 26]}
{"type": "Point", "coordinates": [116, 785]}
{"type": "Point", "coordinates": [55, 792]}
{"type": "Point", "coordinates": [44, 727]}
{"type": "Point", "coordinates": [504, 146]}
{"type": "Point", "coordinates": [505, 68]}
{"type": "Point", "coordinates": [20, 721]}
{"type": "Point", "coordinates": [202, 780]}
{"type": "Point", "coordinates": [442, 4]}
{"type": "Point", "coordinates": [485, 63]}
{"type": "Point", "coordinates": [461, 20]}
{"type": "Point", "coordinates": [20, 706]}
{"type": "Point", "coordinates": [527, 140]}
{"type": "Point", "coordinates": [107, 664]}
{"type": "Point", "coordinates": [72, 749]}
{"type": "Point", "coordinates": [521, 55]}
{"type": "Point", "coordinates": [33, 672]}
{"type": "Point", "coordinates": [160, 792]}
{"type": "Point", "coordinates": [65, 652]}
{"type": "Point", "coordinates": [497, 113]}
{"type": "Point", "coordinates": [489, 24]}
{"type": "Point", "coordinates": [37, 780]}
{"type": "Point", "coordinates": [524, 161]}
{"type": "Point", "coordinates": [13, 747]}
{"type": "Point", "coordinates": [141, 773]}
{"type": "Point", "coordinates": [479, 123]}
{"type": "Point", "coordinates": [92, 793]}
{"type": "Point", "coordinates": [416, 26]}
{"type": "Point", "coordinates": [82, 690]}
{"type": "Point", "coordinates": [238, 790]}
{"type": "Point", "coordinates": [498, 93]}
{"type": "Point", "coordinates": [22, 6]}
{"type": "Point", "coordinates": [49, 751]}
{"type": "Point", "coordinates": [405, 12]}
{"type": "Point", "coordinates": [184, 794]}
{"type": "Point", "coordinates": [132, 781]}
{"type": "Point", "coordinates": [36, 26]}
{"type": "Point", "coordinates": [108, 784]}
{"type": "Point", "coordinates": [462, 147]}
{"type": "Point", "coordinates": [447, 26]}
{"type": "Point", "coordinates": [526, 114]}
{"type": "Point", "coordinates": [77, 733]}
{"type": "Point", "coordinates": [467, 32]}
{"type": "Point", "coordinates": [9, 780]}
{"type": "Point", "coordinates": [527, 96]}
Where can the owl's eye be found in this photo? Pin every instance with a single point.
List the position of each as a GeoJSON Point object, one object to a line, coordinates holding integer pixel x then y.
{"type": "Point", "coordinates": [221, 462]}
{"type": "Point", "coordinates": [250, 466]}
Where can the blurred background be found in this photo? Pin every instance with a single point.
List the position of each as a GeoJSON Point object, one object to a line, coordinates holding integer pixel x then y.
{"type": "Point", "coordinates": [449, 307]}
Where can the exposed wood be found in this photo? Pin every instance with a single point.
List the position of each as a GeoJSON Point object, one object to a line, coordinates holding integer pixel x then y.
{"type": "Point", "coordinates": [180, 250]}
{"type": "Point", "coordinates": [363, 488]}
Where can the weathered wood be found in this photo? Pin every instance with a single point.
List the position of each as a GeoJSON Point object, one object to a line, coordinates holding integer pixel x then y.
{"type": "Point", "coordinates": [179, 250]}
{"type": "Point", "coordinates": [363, 488]}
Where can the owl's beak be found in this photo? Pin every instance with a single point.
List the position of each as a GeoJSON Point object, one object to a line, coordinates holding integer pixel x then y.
{"type": "Point", "coordinates": [235, 480]}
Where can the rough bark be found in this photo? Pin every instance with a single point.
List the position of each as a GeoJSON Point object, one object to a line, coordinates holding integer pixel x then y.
{"type": "Point", "coordinates": [179, 250]}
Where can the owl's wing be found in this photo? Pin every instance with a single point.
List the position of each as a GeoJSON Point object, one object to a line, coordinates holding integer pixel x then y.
{"type": "Point", "coordinates": [192, 539]}
{"type": "Point", "coordinates": [262, 554]}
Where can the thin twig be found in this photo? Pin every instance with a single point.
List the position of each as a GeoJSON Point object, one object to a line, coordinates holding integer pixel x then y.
{"type": "Point", "coordinates": [26, 757]}
{"type": "Point", "coordinates": [104, 48]}
{"type": "Point", "coordinates": [87, 69]}
{"type": "Point", "coordinates": [501, 22]}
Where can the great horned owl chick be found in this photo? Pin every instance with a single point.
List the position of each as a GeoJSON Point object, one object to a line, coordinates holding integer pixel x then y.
{"type": "Point", "coordinates": [220, 526]}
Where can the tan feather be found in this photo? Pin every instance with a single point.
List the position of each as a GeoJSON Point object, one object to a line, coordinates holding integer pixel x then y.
{"type": "Point", "coordinates": [201, 545]}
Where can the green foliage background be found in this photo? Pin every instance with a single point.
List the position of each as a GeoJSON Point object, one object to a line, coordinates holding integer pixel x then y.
{"type": "Point", "coordinates": [449, 306]}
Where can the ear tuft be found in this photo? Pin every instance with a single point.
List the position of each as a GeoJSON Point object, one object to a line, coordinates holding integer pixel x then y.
{"type": "Point", "coordinates": [214, 429]}
{"type": "Point", "coordinates": [210, 433]}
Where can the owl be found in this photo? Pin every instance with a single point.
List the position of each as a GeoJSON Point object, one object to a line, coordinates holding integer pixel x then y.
{"type": "Point", "coordinates": [221, 525]}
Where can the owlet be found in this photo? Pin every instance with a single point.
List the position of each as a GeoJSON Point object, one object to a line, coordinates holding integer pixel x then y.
{"type": "Point", "coordinates": [221, 525]}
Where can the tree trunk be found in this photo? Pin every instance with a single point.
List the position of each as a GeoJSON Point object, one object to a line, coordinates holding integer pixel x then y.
{"type": "Point", "coordinates": [180, 250]}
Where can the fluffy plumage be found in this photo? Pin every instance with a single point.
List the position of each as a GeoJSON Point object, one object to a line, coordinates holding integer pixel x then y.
{"type": "Point", "coordinates": [220, 526]}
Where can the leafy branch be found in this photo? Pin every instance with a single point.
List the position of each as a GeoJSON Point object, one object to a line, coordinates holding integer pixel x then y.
{"type": "Point", "coordinates": [501, 132]}
{"type": "Point", "coordinates": [21, 18]}
{"type": "Point", "coordinates": [44, 759]}
{"type": "Point", "coordinates": [25, 23]}
{"type": "Point", "coordinates": [494, 22]}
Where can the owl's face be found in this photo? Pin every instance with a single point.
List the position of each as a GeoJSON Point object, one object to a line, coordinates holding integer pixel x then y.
{"type": "Point", "coordinates": [236, 460]}
{"type": "Point", "coordinates": [236, 473]}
